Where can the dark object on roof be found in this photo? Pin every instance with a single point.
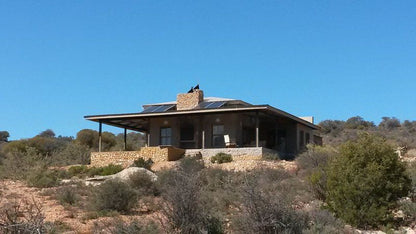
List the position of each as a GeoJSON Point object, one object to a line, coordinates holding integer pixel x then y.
{"type": "Point", "coordinates": [193, 88]}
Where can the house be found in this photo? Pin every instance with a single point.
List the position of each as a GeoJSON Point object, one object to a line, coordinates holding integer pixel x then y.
{"type": "Point", "coordinates": [210, 124]}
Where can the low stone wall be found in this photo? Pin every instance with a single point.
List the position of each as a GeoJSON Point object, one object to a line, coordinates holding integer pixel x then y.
{"type": "Point", "coordinates": [246, 153]}
{"type": "Point", "coordinates": [126, 158]}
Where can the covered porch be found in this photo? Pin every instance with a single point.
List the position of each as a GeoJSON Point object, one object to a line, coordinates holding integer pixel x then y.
{"type": "Point", "coordinates": [243, 127]}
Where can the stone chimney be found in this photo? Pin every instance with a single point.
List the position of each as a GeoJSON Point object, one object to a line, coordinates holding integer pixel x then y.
{"type": "Point", "coordinates": [187, 101]}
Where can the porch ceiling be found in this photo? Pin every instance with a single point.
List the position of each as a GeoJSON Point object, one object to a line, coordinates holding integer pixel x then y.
{"type": "Point", "coordinates": [140, 121]}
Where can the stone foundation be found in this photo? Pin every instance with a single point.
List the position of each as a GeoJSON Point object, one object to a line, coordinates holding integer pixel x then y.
{"type": "Point", "coordinates": [246, 153]}
{"type": "Point", "coordinates": [126, 158]}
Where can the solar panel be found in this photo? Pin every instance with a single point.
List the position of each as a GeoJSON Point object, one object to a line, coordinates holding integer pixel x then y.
{"type": "Point", "coordinates": [150, 109]}
{"type": "Point", "coordinates": [160, 108]}
{"type": "Point", "coordinates": [216, 105]}
{"type": "Point", "coordinates": [210, 105]}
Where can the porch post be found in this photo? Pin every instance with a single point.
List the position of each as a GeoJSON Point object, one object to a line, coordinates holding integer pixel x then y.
{"type": "Point", "coordinates": [257, 129]}
{"type": "Point", "coordinates": [203, 139]}
{"type": "Point", "coordinates": [100, 129]}
{"type": "Point", "coordinates": [148, 139]}
{"type": "Point", "coordinates": [125, 138]}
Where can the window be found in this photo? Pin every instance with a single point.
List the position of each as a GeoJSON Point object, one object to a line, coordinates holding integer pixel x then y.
{"type": "Point", "coordinates": [218, 136]}
{"type": "Point", "coordinates": [308, 138]}
{"type": "Point", "coordinates": [302, 139]}
{"type": "Point", "coordinates": [187, 133]}
{"type": "Point", "coordinates": [165, 136]}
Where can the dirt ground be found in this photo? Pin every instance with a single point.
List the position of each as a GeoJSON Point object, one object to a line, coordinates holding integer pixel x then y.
{"type": "Point", "coordinates": [73, 217]}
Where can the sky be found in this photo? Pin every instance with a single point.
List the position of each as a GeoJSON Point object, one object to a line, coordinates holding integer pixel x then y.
{"type": "Point", "coordinates": [62, 60]}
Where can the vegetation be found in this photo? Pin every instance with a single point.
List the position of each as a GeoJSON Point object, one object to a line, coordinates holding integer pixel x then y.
{"type": "Point", "coordinates": [114, 195]}
{"type": "Point", "coordinates": [141, 162]}
{"type": "Point", "coordinates": [355, 179]}
{"type": "Point", "coordinates": [365, 181]}
{"type": "Point", "coordinates": [117, 226]}
{"type": "Point", "coordinates": [84, 171]}
{"type": "Point", "coordinates": [22, 217]}
{"type": "Point", "coordinates": [221, 158]}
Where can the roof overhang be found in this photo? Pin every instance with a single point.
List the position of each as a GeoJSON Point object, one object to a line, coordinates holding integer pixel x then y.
{"type": "Point", "coordinates": [136, 121]}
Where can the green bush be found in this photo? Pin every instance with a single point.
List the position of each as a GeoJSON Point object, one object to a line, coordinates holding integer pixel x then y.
{"type": "Point", "coordinates": [111, 169]}
{"type": "Point", "coordinates": [365, 181]}
{"type": "Point", "coordinates": [43, 178]}
{"type": "Point", "coordinates": [221, 158]}
{"type": "Point", "coordinates": [83, 170]}
{"type": "Point", "coordinates": [141, 162]}
{"type": "Point", "coordinates": [114, 195]}
{"type": "Point", "coordinates": [78, 170]}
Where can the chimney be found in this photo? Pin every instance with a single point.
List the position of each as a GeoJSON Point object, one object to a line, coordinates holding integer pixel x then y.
{"type": "Point", "coordinates": [188, 101]}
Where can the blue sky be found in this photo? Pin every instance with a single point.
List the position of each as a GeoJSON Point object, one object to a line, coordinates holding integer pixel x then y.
{"type": "Point", "coordinates": [61, 60]}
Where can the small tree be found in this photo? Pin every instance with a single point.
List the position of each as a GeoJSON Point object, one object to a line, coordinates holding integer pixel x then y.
{"type": "Point", "coordinates": [4, 135]}
{"type": "Point", "coordinates": [47, 133]}
{"type": "Point", "coordinates": [365, 181]}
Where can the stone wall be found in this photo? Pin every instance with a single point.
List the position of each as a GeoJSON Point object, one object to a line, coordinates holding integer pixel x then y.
{"type": "Point", "coordinates": [246, 153]}
{"type": "Point", "coordinates": [126, 158]}
{"type": "Point", "coordinates": [187, 101]}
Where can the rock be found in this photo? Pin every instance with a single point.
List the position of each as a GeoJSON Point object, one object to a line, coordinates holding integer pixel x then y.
{"type": "Point", "coordinates": [123, 175]}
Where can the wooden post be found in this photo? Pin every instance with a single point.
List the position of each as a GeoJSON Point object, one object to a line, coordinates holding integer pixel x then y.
{"type": "Point", "coordinates": [257, 129]}
{"type": "Point", "coordinates": [148, 139]}
{"type": "Point", "coordinates": [100, 129]}
{"type": "Point", "coordinates": [125, 139]}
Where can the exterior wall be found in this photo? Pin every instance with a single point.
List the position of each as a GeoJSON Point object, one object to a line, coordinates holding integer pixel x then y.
{"type": "Point", "coordinates": [234, 123]}
{"type": "Point", "coordinates": [126, 158]}
{"type": "Point", "coordinates": [231, 124]}
{"type": "Point", "coordinates": [305, 130]}
{"type": "Point", "coordinates": [187, 101]}
{"type": "Point", "coordinates": [157, 123]}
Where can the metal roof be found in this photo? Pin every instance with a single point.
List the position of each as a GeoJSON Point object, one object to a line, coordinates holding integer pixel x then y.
{"type": "Point", "coordinates": [135, 121]}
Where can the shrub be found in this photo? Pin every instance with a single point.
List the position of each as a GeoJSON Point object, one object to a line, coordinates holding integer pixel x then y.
{"type": "Point", "coordinates": [78, 170]}
{"type": "Point", "coordinates": [143, 183]}
{"type": "Point", "coordinates": [181, 192]}
{"type": "Point", "coordinates": [221, 158]}
{"type": "Point", "coordinates": [314, 162]}
{"type": "Point", "coordinates": [270, 156]}
{"type": "Point", "coordinates": [323, 222]}
{"type": "Point", "coordinates": [43, 178]}
{"type": "Point", "coordinates": [365, 181]}
{"type": "Point", "coordinates": [67, 195]}
{"type": "Point", "coordinates": [83, 170]}
{"type": "Point", "coordinates": [265, 211]}
{"type": "Point", "coordinates": [111, 169]}
{"type": "Point", "coordinates": [141, 162]}
{"type": "Point", "coordinates": [23, 217]}
{"type": "Point", "coordinates": [117, 226]}
{"type": "Point", "coordinates": [114, 195]}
